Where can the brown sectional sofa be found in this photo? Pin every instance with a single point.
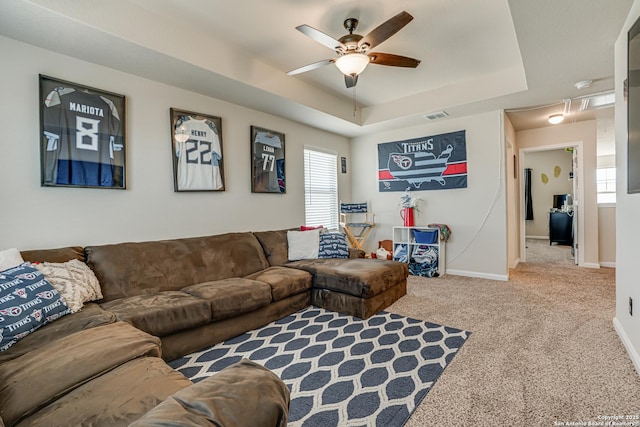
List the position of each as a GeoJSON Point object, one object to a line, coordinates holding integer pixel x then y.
{"type": "Point", "coordinates": [163, 299]}
{"type": "Point", "coordinates": [195, 292]}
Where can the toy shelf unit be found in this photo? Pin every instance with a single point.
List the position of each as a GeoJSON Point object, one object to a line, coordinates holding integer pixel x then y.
{"type": "Point", "coordinates": [421, 248]}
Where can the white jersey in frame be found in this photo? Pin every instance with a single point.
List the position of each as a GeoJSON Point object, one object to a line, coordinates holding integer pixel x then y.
{"type": "Point", "coordinates": [198, 156]}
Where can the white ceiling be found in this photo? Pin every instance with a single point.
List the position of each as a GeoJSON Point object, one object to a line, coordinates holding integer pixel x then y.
{"type": "Point", "coordinates": [477, 55]}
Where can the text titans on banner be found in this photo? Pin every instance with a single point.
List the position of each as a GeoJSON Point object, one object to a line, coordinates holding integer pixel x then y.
{"type": "Point", "coordinates": [436, 162]}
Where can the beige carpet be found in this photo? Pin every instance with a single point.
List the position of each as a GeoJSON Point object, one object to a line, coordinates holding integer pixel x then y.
{"type": "Point", "coordinates": [542, 350]}
{"type": "Point", "coordinates": [539, 251]}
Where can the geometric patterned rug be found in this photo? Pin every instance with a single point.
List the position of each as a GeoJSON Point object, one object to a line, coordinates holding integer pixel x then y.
{"type": "Point", "coordinates": [341, 370]}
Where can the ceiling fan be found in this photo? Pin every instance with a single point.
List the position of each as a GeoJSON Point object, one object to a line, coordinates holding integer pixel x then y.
{"type": "Point", "coordinates": [354, 50]}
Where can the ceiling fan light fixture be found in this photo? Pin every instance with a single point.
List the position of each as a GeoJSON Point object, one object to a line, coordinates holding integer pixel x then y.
{"type": "Point", "coordinates": [352, 64]}
{"type": "Point", "coordinates": [554, 119]}
{"type": "Point", "coordinates": [181, 134]}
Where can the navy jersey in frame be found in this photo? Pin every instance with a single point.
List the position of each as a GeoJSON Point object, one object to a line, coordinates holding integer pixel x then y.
{"type": "Point", "coordinates": [83, 143]}
{"type": "Point", "coordinates": [268, 167]}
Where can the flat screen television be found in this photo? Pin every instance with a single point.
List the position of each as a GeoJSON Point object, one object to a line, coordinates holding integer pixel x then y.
{"type": "Point", "coordinates": [632, 95]}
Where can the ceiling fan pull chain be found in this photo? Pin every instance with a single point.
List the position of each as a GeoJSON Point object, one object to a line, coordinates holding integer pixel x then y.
{"type": "Point", "coordinates": [354, 101]}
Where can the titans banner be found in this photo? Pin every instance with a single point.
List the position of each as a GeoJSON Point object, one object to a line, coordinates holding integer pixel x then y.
{"type": "Point", "coordinates": [436, 162]}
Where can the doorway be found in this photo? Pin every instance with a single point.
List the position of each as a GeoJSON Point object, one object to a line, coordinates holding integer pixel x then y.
{"type": "Point", "coordinates": [547, 176]}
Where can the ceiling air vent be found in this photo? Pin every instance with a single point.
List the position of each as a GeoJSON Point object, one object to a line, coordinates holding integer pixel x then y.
{"type": "Point", "coordinates": [435, 116]}
{"type": "Point", "coordinates": [601, 100]}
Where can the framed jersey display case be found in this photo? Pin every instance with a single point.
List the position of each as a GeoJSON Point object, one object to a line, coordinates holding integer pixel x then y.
{"type": "Point", "coordinates": [196, 143]}
{"type": "Point", "coordinates": [267, 161]}
{"type": "Point", "coordinates": [82, 134]}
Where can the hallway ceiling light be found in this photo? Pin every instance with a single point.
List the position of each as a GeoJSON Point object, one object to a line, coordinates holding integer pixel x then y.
{"type": "Point", "coordinates": [554, 119]}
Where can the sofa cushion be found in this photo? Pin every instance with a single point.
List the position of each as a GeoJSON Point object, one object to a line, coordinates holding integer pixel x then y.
{"type": "Point", "coordinates": [90, 316]}
{"type": "Point", "coordinates": [359, 277]}
{"type": "Point", "coordinates": [163, 313]}
{"type": "Point", "coordinates": [74, 280]}
{"type": "Point", "coordinates": [284, 281]}
{"type": "Point", "coordinates": [243, 394]}
{"type": "Point", "coordinates": [54, 255]}
{"type": "Point", "coordinates": [182, 343]}
{"type": "Point", "coordinates": [35, 379]}
{"type": "Point", "coordinates": [116, 398]}
{"type": "Point", "coordinates": [303, 244]}
{"type": "Point", "coordinates": [275, 246]}
{"type": "Point", "coordinates": [129, 269]}
{"type": "Point", "coordinates": [232, 297]}
{"type": "Point", "coordinates": [10, 258]}
{"type": "Point", "coordinates": [27, 302]}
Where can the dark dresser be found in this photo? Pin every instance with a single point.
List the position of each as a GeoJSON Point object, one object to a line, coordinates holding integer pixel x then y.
{"type": "Point", "coordinates": [560, 228]}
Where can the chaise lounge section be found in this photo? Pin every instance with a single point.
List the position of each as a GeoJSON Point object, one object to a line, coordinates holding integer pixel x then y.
{"type": "Point", "coordinates": [355, 286]}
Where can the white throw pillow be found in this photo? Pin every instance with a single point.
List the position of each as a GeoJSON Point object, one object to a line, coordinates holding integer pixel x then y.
{"type": "Point", "coordinates": [10, 258]}
{"type": "Point", "coordinates": [303, 244]}
{"type": "Point", "coordinates": [74, 280]}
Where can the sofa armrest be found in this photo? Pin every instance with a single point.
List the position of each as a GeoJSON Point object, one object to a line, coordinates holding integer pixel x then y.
{"type": "Point", "coordinates": [54, 255]}
{"type": "Point", "coordinates": [356, 253]}
{"type": "Point", "coordinates": [33, 380]}
{"type": "Point", "coordinates": [243, 394]}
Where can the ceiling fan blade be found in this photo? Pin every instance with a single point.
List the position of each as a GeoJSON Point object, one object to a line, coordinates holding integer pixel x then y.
{"type": "Point", "coordinates": [311, 67]}
{"type": "Point", "coordinates": [393, 60]}
{"type": "Point", "coordinates": [386, 30]}
{"type": "Point", "coordinates": [350, 81]}
{"type": "Point", "coordinates": [320, 37]}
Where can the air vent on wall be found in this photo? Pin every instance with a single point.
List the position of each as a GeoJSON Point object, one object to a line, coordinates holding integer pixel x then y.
{"type": "Point", "coordinates": [436, 115]}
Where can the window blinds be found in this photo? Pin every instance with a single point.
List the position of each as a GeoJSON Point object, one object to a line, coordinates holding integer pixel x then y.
{"type": "Point", "coordinates": [321, 189]}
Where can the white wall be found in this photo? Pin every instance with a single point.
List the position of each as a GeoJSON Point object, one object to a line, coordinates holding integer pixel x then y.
{"type": "Point", "coordinates": [476, 214]}
{"type": "Point", "coordinates": [627, 211]}
{"type": "Point", "coordinates": [544, 162]}
{"type": "Point", "coordinates": [570, 134]}
{"type": "Point", "coordinates": [607, 235]}
{"type": "Point", "coordinates": [512, 178]}
{"type": "Point", "coordinates": [35, 217]}
{"type": "Point", "coordinates": [607, 221]}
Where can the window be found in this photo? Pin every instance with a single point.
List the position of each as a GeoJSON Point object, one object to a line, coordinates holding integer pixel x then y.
{"type": "Point", "coordinates": [606, 185]}
{"type": "Point", "coordinates": [321, 189]}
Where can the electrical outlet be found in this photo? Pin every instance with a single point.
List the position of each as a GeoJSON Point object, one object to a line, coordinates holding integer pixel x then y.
{"type": "Point", "coordinates": [630, 306]}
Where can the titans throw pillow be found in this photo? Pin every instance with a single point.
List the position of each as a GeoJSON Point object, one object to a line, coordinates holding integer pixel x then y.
{"type": "Point", "coordinates": [27, 301]}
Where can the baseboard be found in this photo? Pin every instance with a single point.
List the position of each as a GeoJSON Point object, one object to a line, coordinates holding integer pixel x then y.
{"type": "Point", "coordinates": [608, 264]}
{"type": "Point", "coordinates": [633, 354]}
{"type": "Point", "coordinates": [537, 237]}
{"type": "Point", "coordinates": [500, 277]}
{"type": "Point", "coordinates": [589, 265]}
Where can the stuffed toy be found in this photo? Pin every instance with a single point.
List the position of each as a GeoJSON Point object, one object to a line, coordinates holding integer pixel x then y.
{"type": "Point", "coordinates": [384, 250]}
